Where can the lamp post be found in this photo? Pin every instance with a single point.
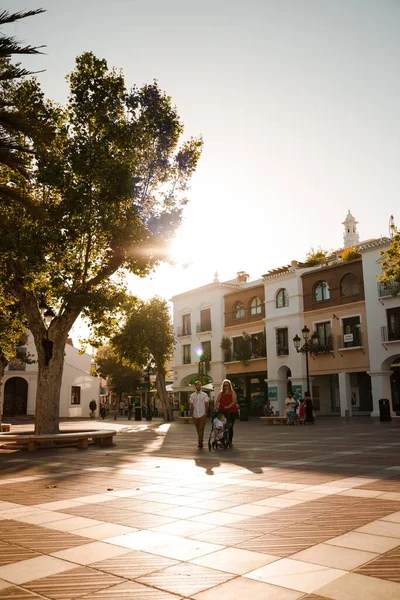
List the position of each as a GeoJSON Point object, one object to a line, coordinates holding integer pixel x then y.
{"type": "Point", "coordinates": [150, 369]}
{"type": "Point", "coordinates": [307, 348]}
{"type": "Point", "coordinates": [47, 315]}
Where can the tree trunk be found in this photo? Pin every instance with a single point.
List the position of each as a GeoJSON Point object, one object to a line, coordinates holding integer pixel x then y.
{"type": "Point", "coordinates": [163, 395]}
{"type": "Point", "coordinates": [48, 390]}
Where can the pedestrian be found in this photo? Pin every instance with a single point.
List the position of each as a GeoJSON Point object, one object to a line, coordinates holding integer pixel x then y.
{"type": "Point", "coordinates": [268, 412]}
{"type": "Point", "coordinates": [121, 408]}
{"type": "Point", "coordinates": [107, 408]}
{"type": "Point", "coordinates": [227, 403]}
{"type": "Point", "coordinates": [309, 409]}
{"type": "Point", "coordinates": [198, 411]}
{"type": "Point", "coordinates": [302, 411]}
{"type": "Point", "coordinates": [290, 404]}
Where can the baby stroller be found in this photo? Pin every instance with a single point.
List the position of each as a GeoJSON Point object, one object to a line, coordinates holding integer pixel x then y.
{"type": "Point", "coordinates": [217, 438]}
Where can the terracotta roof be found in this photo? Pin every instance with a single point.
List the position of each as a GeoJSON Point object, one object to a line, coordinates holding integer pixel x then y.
{"type": "Point", "coordinates": [208, 287]}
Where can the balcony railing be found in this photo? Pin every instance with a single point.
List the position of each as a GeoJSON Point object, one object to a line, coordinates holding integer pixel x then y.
{"type": "Point", "coordinates": [203, 327]}
{"type": "Point", "coordinates": [390, 335]}
{"type": "Point", "coordinates": [324, 346]}
{"type": "Point", "coordinates": [230, 356]}
{"type": "Point", "coordinates": [282, 351]}
{"type": "Point", "coordinates": [350, 340]}
{"type": "Point", "coordinates": [388, 289]}
{"type": "Point", "coordinates": [183, 331]}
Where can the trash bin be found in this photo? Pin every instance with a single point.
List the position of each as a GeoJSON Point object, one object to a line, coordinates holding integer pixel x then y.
{"type": "Point", "coordinates": [384, 410]}
{"type": "Point", "coordinates": [138, 413]}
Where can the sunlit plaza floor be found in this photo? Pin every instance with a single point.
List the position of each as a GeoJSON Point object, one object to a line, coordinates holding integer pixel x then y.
{"type": "Point", "coordinates": [288, 513]}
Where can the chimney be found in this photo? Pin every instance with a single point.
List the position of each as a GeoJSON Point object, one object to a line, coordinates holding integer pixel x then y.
{"type": "Point", "coordinates": [242, 276]}
{"type": "Point", "coordinates": [294, 264]}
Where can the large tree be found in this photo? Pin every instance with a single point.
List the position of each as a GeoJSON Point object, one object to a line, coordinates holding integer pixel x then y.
{"type": "Point", "coordinates": [112, 185]}
{"type": "Point", "coordinates": [148, 334]}
{"type": "Point", "coordinates": [391, 264]}
{"type": "Point", "coordinates": [121, 378]}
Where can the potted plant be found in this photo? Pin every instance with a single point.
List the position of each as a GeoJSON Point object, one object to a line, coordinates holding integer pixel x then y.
{"type": "Point", "coordinates": [226, 346]}
{"type": "Point", "coordinates": [92, 406]}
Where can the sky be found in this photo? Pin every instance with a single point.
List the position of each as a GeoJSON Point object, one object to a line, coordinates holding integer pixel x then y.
{"type": "Point", "coordinates": [297, 102]}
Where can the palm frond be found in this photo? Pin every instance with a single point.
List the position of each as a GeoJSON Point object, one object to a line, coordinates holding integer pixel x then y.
{"type": "Point", "coordinates": [15, 122]}
{"type": "Point", "coordinates": [15, 72]}
{"type": "Point", "coordinates": [10, 45]}
{"type": "Point", "coordinates": [6, 17]}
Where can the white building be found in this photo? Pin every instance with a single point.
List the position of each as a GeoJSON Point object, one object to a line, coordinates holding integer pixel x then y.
{"type": "Point", "coordinates": [198, 318]}
{"type": "Point", "coordinates": [284, 320]}
{"type": "Point", "coordinates": [78, 387]}
{"type": "Point", "coordinates": [383, 322]}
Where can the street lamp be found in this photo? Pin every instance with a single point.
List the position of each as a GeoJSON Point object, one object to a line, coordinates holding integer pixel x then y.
{"type": "Point", "coordinates": [150, 369]}
{"type": "Point", "coordinates": [47, 316]}
{"type": "Point", "coordinates": [309, 347]}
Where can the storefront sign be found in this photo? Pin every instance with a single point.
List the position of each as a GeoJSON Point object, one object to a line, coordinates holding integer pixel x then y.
{"type": "Point", "coordinates": [272, 393]}
{"type": "Point", "coordinates": [348, 337]}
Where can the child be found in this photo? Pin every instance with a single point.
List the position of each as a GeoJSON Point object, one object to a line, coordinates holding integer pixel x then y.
{"type": "Point", "coordinates": [219, 426]}
{"type": "Point", "coordinates": [302, 411]}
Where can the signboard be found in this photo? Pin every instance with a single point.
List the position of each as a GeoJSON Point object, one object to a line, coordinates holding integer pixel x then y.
{"type": "Point", "coordinates": [297, 391]}
{"type": "Point", "coordinates": [348, 337]}
{"type": "Point", "coordinates": [272, 393]}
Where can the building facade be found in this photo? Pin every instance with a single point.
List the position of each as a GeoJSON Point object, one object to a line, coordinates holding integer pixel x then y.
{"type": "Point", "coordinates": [78, 386]}
{"type": "Point", "coordinates": [353, 323]}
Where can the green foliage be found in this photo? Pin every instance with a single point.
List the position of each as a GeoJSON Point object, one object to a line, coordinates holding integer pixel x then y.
{"type": "Point", "coordinates": [243, 349]}
{"type": "Point", "coordinates": [349, 254]}
{"type": "Point", "coordinates": [147, 334]}
{"type": "Point", "coordinates": [12, 327]}
{"type": "Point", "coordinates": [391, 265]}
{"type": "Point", "coordinates": [121, 377]}
{"type": "Point", "coordinates": [112, 185]}
{"type": "Point", "coordinates": [226, 343]}
{"type": "Point", "coordinates": [316, 257]}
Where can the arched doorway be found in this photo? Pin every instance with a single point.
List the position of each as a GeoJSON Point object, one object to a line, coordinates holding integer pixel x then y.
{"type": "Point", "coordinates": [15, 397]}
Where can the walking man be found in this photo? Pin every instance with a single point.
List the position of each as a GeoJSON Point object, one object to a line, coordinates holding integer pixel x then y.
{"type": "Point", "coordinates": [198, 411]}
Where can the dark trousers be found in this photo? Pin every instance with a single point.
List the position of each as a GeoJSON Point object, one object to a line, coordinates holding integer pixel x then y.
{"type": "Point", "coordinates": [200, 424]}
{"type": "Point", "coordinates": [231, 418]}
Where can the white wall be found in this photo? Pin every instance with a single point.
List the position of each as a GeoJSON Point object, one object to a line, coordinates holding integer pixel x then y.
{"type": "Point", "coordinates": [380, 355]}
{"type": "Point", "coordinates": [76, 373]}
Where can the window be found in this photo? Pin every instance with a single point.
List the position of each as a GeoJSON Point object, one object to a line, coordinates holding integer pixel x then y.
{"type": "Point", "coordinates": [282, 298]}
{"type": "Point", "coordinates": [393, 318]}
{"type": "Point", "coordinates": [205, 319]}
{"type": "Point", "coordinates": [351, 332]}
{"type": "Point", "coordinates": [238, 311]}
{"type": "Point", "coordinates": [187, 354]}
{"type": "Point", "coordinates": [324, 333]}
{"type": "Point", "coordinates": [282, 345]}
{"type": "Point", "coordinates": [349, 285]}
{"type": "Point", "coordinates": [75, 394]}
{"type": "Point", "coordinates": [206, 348]}
{"type": "Point", "coordinates": [186, 325]}
{"type": "Point", "coordinates": [258, 346]}
{"type": "Point", "coordinates": [255, 306]}
{"type": "Point", "coordinates": [321, 291]}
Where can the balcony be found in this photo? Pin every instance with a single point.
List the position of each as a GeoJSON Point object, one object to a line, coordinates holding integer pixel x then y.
{"type": "Point", "coordinates": [229, 356]}
{"type": "Point", "coordinates": [282, 351]}
{"type": "Point", "coordinates": [324, 345]}
{"type": "Point", "coordinates": [350, 340]}
{"type": "Point", "coordinates": [243, 316]}
{"type": "Point", "coordinates": [386, 290]}
{"type": "Point", "coordinates": [203, 327]}
{"type": "Point", "coordinates": [390, 335]}
{"type": "Point", "coordinates": [183, 331]}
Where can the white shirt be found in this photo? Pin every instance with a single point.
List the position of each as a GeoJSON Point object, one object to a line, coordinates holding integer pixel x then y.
{"type": "Point", "coordinates": [199, 401]}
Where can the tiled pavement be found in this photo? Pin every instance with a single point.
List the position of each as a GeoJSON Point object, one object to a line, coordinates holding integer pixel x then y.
{"type": "Point", "coordinates": [289, 513]}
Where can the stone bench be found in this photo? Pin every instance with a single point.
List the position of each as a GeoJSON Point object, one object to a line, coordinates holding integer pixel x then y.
{"type": "Point", "coordinates": [5, 427]}
{"type": "Point", "coordinates": [185, 420]}
{"type": "Point", "coordinates": [270, 420]}
{"type": "Point", "coordinates": [80, 438]}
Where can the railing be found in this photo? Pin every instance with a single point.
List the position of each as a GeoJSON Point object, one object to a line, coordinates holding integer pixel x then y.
{"type": "Point", "coordinates": [187, 360]}
{"type": "Point", "coordinates": [388, 289]}
{"type": "Point", "coordinates": [183, 331]}
{"type": "Point", "coordinates": [350, 340]}
{"type": "Point", "coordinates": [323, 347]}
{"type": "Point", "coordinates": [203, 327]}
{"type": "Point", "coordinates": [230, 356]}
{"type": "Point", "coordinates": [282, 351]}
{"type": "Point", "coordinates": [244, 313]}
{"type": "Point", "coordinates": [390, 335]}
